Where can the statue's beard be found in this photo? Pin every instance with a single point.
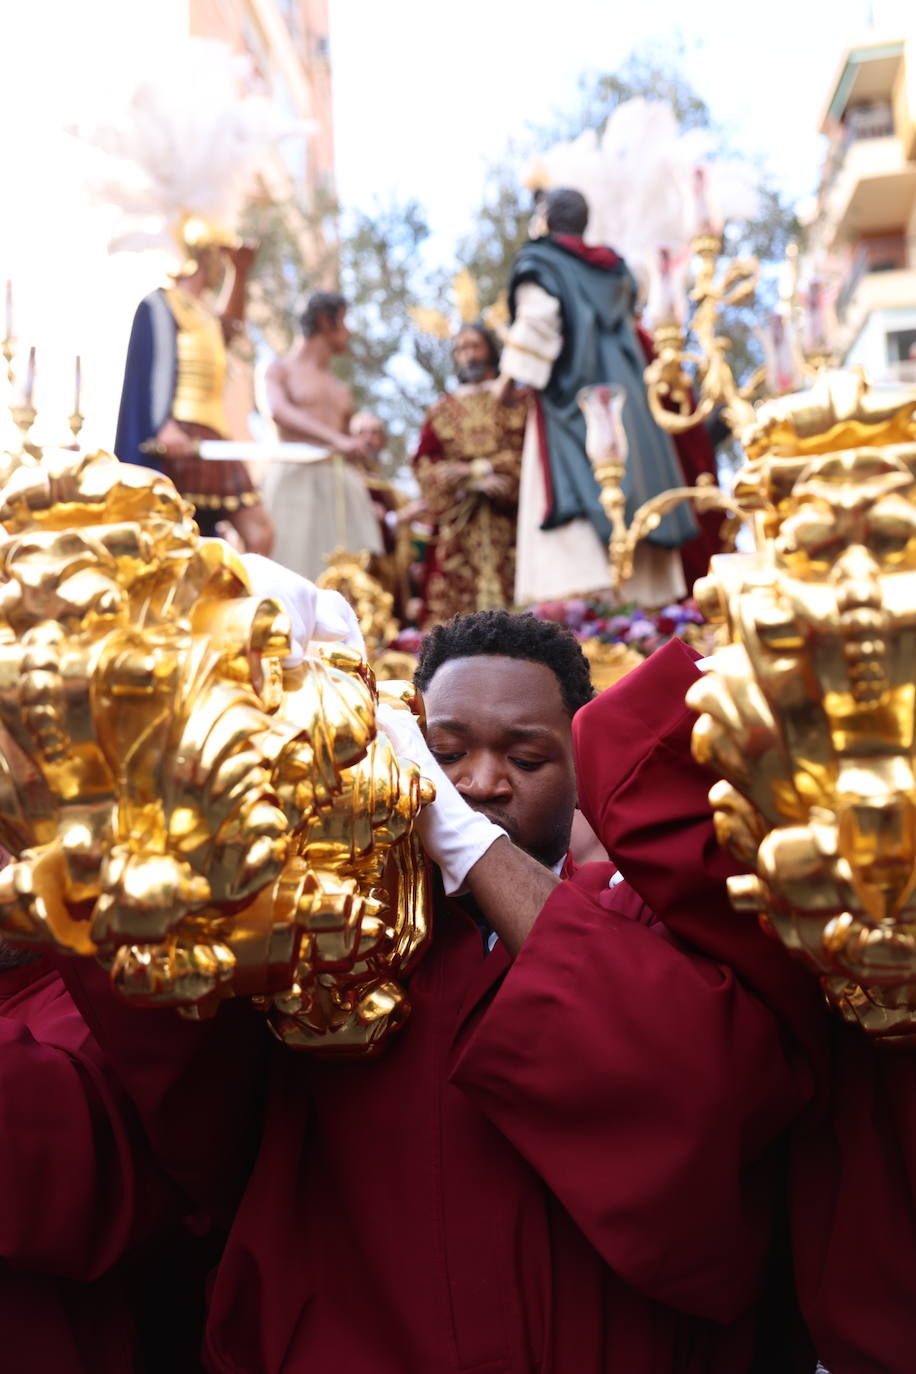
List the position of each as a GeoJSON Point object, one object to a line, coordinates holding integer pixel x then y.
{"type": "Point", "coordinates": [473, 372]}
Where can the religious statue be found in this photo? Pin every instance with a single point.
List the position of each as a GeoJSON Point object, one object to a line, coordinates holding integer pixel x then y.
{"type": "Point", "coordinates": [323, 505]}
{"type": "Point", "coordinates": [179, 159]}
{"type": "Point", "coordinates": [394, 511]}
{"type": "Point", "coordinates": [467, 464]}
{"type": "Point", "coordinates": [573, 312]}
{"type": "Point", "coordinates": [175, 382]}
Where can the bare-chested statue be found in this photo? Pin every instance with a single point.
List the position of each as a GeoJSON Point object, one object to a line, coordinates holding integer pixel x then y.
{"type": "Point", "coordinates": [323, 505]}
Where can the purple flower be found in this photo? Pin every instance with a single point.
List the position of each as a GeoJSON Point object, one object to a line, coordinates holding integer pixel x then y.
{"type": "Point", "coordinates": [576, 612]}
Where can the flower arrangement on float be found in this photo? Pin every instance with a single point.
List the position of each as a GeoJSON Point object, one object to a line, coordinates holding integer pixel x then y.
{"type": "Point", "coordinates": [614, 638]}
{"type": "Point", "coordinates": [642, 630]}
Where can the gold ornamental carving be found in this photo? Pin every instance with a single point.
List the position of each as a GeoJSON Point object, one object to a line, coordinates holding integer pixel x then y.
{"type": "Point", "coordinates": [607, 449]}
{"type": "Point", "coordinates": [808, 713]}
{"type": "Point", "coordinates": [204, 822]}
{"type": "Point", "coordinates": [680, 398]}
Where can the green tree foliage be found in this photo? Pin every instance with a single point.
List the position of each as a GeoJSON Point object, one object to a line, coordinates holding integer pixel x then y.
{"type": "Point", "coordinates": [654, 74]}
{"type": "Point", "coordinates": [396, 370]}
{"type": "Point", "coordinates": [375, 260]}
{"type": "Point", "coordinates": [392, 369]}
{"type": "Point", "coordinates": [297, 252]}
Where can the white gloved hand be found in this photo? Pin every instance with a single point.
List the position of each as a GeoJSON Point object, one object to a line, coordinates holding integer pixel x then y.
{"type": "Point", "coordinates": [453, 834]}
{"type": "Point", "coordinates": [315, 613]}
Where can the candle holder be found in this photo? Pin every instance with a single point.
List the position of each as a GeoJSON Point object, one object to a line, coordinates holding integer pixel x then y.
{"type": "Point", "coordinates": [76, 422]}
{"type": "Point", "coordinates": [24, 415]}
{"type": "Point", "coordinates": [9, 353]}
{"type": "Point", "coordinates": [685, 385]}
{"type": "Point", "coordinates": [607, 449]}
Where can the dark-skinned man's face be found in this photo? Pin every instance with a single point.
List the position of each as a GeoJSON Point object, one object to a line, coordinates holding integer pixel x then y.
{"type": "Point", "coordinates": [500, 731]}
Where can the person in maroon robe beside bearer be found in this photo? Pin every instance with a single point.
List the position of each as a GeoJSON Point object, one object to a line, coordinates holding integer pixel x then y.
{"type": "Point", "coordinates": [568, 1160]}
{"type": "Point", "coordinates": [97, 1275]}
{"type": "Point", "coordinates": [852, 1155]}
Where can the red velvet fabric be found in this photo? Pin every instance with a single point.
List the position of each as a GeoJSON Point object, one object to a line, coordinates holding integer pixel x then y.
{"type": "Point", "coordinates": [563, 1163]}
{"type": "Point", "coordinates": [533, 1177]}
{"type": "Point", "coordinates": [853, 1153]}
{"type": "Point", "coordinates": [595, 254]}
{"type": "Point", "coordinates": [77, 1189]}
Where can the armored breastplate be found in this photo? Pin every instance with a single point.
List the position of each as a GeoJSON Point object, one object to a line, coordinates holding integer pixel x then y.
{"type": "Point", "coordinates": [201, 372]}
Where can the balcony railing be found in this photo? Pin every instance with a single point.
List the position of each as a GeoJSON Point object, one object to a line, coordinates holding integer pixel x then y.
{"type": "Point", "coordinates": [861, 122]}
{"type": "Point", "coordinates": [875, 120]}
{"type": "Point", "coordinates": [879, 253]}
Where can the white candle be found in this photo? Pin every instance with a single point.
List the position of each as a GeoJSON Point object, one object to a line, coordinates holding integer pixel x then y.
{"type": "Point", "coordinates": [705, 224]}
{"type": "Point", "coordinates": [78, 387]}
{"type": "Point", "coordinates": [30, 377]}
{"type": "Point", "coordinates": [667, 304]}
{"type": "Point", "coordinates": [781, 371]}
{"type": "Point", "coordinates": [816, 333]}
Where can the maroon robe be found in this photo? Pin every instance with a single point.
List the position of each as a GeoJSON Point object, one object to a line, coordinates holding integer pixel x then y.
{"type": "Point", "coordinates": [853, 1154]}
{"type": "Point", "coordinates": [564, 1163]}
{"type": "Point", "coordinates": [77, 1189]}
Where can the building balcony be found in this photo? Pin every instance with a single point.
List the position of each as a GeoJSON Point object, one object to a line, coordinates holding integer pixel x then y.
{"type": "Point", "coordinates": [872, 292]}
{"type": "Point", "coordinates": [875, 255]}
{"type": "Point", "coordinates": [871, 191]}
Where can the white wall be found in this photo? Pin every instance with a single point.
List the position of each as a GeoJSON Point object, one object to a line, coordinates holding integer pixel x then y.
{"type": "Point", "coordinates": [869, 349]}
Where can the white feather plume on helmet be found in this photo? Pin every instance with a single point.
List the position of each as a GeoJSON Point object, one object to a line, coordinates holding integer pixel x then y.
{"type": "Point", "coordinates": [637, 178]}
{"type": "Point", "coordinates": [183, 148]}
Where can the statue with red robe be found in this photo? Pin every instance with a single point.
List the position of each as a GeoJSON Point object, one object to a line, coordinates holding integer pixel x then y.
{"type": "Point", "coordinates": [467, 464]}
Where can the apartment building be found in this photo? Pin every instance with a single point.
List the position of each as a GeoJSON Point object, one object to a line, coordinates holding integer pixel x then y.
{"type": "Point", "coordinates": [864, 224]}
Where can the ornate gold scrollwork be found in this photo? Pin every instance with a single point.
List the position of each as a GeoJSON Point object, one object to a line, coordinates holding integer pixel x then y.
{"type": "Point", "coordinates": [808, 713]}
{"type": "Point", "coordinates": [204, 822]}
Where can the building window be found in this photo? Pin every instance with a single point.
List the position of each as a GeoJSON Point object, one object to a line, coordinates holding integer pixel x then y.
{"type": "Point", "coordinates": [901, 346]}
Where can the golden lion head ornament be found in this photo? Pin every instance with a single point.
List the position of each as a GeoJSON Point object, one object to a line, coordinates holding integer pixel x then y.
{"type": "Point", "coordinates": [203, 822]}
{"type": "Point", "coordinates": [808, 714]}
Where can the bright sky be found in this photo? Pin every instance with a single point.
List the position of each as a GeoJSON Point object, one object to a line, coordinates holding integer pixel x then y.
{"type": "Point", "coordinates": [425, 92]}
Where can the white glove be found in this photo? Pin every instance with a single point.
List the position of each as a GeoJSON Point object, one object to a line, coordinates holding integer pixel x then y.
{"type": "Point", "coordinates": [453, 834]}
{"type": "Point", "coordinates": [314, 612]}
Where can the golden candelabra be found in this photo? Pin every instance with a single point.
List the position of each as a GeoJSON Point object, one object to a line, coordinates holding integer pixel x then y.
{"type": "Point", "coordinates": [21, 408]}
{"type": "Point", "coordinates": [606, 446]}
{"type": "Point", "coordinates": [24, 415]}
{"type": "Point", "coordinates": [9, 353]}
{"type": "Point", "coordinates": [678, 398]}
{"type": "Point", "coordinates": [203, 822]}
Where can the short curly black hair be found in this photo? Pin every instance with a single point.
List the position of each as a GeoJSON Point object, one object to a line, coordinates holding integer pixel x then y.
{"type": "Point", "coordinates": [507, 635]}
